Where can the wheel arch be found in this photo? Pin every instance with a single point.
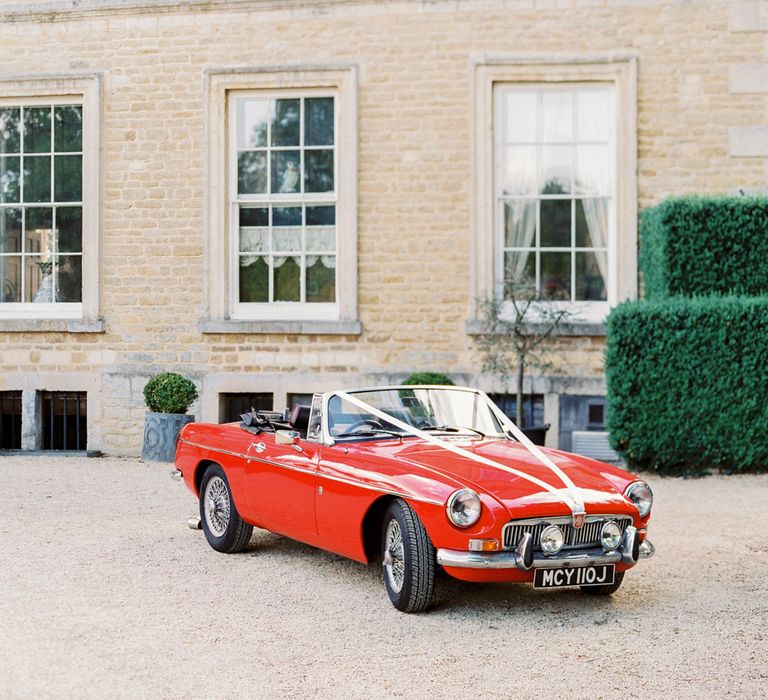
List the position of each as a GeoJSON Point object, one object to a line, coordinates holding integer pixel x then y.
{"type": "Point", "coordinates": [371, 527]}
{"type": "Point", "coordinates": [200, 471]}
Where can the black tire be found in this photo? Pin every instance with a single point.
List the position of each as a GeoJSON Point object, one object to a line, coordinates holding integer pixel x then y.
{"type": "Point", "coordinates": [412, 566]}
{"type": "Point", "coordinates": [607, 589]}
{"type": "Point", "coordinates": [224, 529]}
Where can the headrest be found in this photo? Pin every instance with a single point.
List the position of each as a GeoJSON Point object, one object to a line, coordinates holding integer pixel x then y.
{"type": "Point", "coordinates": [299, 418]}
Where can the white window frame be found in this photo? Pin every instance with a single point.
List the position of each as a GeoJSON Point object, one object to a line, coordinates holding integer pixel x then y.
{"type": "Point", "coordinates": [618, 72]}
{"type": "Point", "coordinates": [84, 91]}
{"type": "Point", "coordinates": [278, 309]}
{"type": "Point", "coordinates": [225, 313]}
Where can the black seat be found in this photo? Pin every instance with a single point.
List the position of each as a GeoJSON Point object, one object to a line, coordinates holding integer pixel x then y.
{"type": "Point", "coordinates": [299, 419]}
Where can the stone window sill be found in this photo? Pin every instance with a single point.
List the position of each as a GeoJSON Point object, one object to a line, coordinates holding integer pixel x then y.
{"type": "Point", "coordinates": [574, 329]}
{"type": "Point", "coordinates": [278, 327]}
{"type": "Point", "coordinates": [51, 325]}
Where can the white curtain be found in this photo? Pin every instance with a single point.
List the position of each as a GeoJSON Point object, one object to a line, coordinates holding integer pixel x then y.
{"type": "Point", "coordinates": [520, 232]}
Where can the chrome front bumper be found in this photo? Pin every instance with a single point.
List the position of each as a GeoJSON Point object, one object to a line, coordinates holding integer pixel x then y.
{"type": "Point", "coordinates": [524, 559]}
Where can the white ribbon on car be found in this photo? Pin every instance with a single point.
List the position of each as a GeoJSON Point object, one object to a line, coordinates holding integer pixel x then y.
{"type": "Point", "coordinates": [571, 496]}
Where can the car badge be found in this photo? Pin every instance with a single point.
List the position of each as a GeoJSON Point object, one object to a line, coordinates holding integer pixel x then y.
{"type": "Point", "coordinates": [578, 520]}
{"type": "Point", "coordinates": [259, 447]}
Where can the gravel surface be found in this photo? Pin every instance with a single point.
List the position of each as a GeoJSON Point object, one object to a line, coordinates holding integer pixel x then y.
{"type": "Point", "coordinates": [107, 594]}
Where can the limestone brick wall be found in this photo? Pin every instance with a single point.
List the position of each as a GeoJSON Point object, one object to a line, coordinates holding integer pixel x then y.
{"type": "Point", "coordinates": [701, 128]}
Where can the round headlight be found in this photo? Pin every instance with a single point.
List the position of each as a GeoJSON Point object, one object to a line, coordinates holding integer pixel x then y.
{"type": "Point", "coordinates": [610, 536]}
{"type": "Point", "coordinates": [552, 539]}
{"type": "Point", "coordinates": [641, 495]}
{"type": "Point", "coordinates": [463, 508]}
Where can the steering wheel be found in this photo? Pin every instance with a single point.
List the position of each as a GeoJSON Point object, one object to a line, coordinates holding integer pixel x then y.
{"type": "Point", "coordinates": [359, 424]}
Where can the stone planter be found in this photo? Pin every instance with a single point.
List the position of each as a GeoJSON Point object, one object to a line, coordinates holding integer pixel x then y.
{"type": "Point", "coordinates": [161, 432]}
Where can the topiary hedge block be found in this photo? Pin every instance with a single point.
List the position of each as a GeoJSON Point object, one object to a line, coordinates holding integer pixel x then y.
{"type": "Point", "coordinates": [705, 245]}
{"type": "Point", "coordinates": [687, 383]}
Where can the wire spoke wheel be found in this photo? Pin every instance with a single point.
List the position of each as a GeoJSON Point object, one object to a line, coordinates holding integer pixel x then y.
{"type": "Point", "coordinates": [394, 556]}
{"type": "Point", "coordinates": [217, 506]}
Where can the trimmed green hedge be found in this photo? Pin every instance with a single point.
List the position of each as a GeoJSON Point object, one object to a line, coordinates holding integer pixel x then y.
{"type": "Point", "coordinates": [705, 245]}
{"type": "Point", "coordinates": [688, 383]}
{"type": "Point", "coordinates": [435, 378]}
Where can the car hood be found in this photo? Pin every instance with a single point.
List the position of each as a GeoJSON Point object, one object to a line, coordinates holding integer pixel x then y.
{"type": "Point", "coordinates": [600, 486]}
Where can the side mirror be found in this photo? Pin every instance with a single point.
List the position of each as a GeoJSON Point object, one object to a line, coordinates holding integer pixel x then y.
{"type": "Point", "coordinates": [287, 437]}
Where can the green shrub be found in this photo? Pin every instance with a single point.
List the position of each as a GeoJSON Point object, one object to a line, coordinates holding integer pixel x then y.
{"type": "Point", "coordinates": [428, 378]}
{"type": "Point", "coordinates": [169, 392]}
{"type": "Point", "coordinates": [705, 245]}
{"type": "Point", "coordinates": [687, 383]}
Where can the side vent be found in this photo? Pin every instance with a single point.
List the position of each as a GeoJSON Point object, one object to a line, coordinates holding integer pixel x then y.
{"type": "Point", "coordinates": [593, 444]}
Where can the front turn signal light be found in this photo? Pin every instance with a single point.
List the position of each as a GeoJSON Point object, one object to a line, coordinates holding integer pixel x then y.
{"type": "Point", "coordinates": [483, 545]}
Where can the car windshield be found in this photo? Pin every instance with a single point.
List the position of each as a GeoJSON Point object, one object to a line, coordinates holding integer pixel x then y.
{"type": "Point", "coordinates": [438, 410]}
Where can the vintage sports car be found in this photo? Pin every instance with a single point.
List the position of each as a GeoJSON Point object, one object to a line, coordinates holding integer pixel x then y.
{"type": "Point", "coordinates": [417, 478]}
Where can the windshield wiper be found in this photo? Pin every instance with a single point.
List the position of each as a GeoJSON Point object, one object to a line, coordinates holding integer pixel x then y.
{"type": "Point", "coordinates": [451, 429]}
{"type": "Point", "coordinates": [368, 433]}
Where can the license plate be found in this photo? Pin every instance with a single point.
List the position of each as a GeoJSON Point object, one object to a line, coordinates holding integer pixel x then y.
{"type": "Point", "coordinates": [601, 575]}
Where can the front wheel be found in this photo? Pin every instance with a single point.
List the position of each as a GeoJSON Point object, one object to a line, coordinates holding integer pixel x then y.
{"type": "Point", "coordinates": [408, 559]}
{"type": "Point", "coordinates": [608, 589]}
{"type": "Point", "coordinates": [224, 529]}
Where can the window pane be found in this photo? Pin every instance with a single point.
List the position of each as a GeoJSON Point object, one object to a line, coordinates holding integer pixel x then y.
{"type": "Point", "coordinates": [557, 117]}
{"type": "Point", "coordinates": [10, 279]}
{"type": "Point", "coordinates": [286, 216]}
{"type": "Point", "coordinates": [286, 239]}
{"type": "Point", "coordinates": [285, 171]}
{"type": "Point", "coordinates": [321, 239]}
{"type": "Point", "coordinates": [555, 223]}
{"type": "Point", "coordinates": [321, 278]}
{"type": "Point", "coordinates": [285, 123]}
{"type": "Point", "coordinates": [318, 121]}
{"type": "Point", "coordinates": [319, 175]}
{"type": "Point", "coordinates": [519, 170]}
{"type": "Point", "coordinates": [254, 279]}
{"type": "Point", "coordinates": [556, 276]}
{"type": "Point", "coordinates": [594, 115]}
{"type": "Point", "coordinates": [37, 130]}
{"type": "Point", "coordinates": [520, 223]}
{"type": "Point", "coordinates": [39, 230]}
{"type": "Point", "coordinates": [254, 229]}
{"type": "Point", "coordinates": [520, 273]}
{"type": "Point", "coordinates": [10, 176]}
{"type": "Point", "coordinates": [68, 178]}
{"type": "Point", "coordinates": [321, 216]}
{"type": "Point", "coordinates": [520, 117]}
{"type": "Point", "coordinates": [37, 179]}
{"type": "Point", "coordinates": [68, 128]}
{"type": "Point", "coordinates": [252, 172]}
{"type": "Point", "coordinates": [592, 223]}
{"type": "Point", "coordinates": [593, 172]}
{"type": "Point", "coordinates": [590, 282]}
{"type": "Point", "coordinates": [70, 278]}
{"type": "Point", "coordinates": [38, 272]}
{"type": "Point", "coordinates": [10, 141]}
{"type": "Point", "coordinates": [556, 169]}
{"type": "Point", "coordinates": [252, 123]}
{"type": "Point", "coordinates": [287, 279]}
{"type": "Point", "coordinates": [69, 223]}
{"type": "Point", "coordinates": [10, 230]}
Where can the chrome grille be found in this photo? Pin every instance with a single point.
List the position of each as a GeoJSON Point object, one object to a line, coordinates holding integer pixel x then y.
{"type": "Point", "coordinates": [585, 537]}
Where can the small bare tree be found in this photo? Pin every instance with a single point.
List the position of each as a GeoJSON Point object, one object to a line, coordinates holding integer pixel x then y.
{"type": "Point", "coordinates": [514, 326]}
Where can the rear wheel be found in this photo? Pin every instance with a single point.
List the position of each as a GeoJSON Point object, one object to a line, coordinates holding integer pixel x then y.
{"type": "Point", "coordinates": [408, 559]}
{"type": "Point", "coordinates": [607, 589]}
{"type": "Point", "coordinates": [224, 529]}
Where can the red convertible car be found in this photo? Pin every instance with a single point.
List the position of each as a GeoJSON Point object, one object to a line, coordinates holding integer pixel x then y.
{"type": "Point", "coordinates": [418, 478]}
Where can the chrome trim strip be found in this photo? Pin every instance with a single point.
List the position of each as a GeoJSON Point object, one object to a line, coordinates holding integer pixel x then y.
{"type": "Point", "coordinates": [511, 560]}
{"type": "Point", "coordinates": [567, 519]}
{"type": "Point", "coordinates": [318, 474]}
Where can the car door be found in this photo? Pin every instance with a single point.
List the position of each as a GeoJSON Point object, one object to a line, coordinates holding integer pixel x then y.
{"type": "Point", "coordinates": [280, 482]}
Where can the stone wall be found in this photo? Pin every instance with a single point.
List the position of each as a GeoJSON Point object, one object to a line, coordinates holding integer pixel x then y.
{"type": "Point", "coordinates": [701, 128]}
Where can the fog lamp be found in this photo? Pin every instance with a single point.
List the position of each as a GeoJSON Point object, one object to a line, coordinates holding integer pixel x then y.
{"type": "Point", "coordinates": [610, 536]}
{"type": "Point", "coordinates": [552, 539]}
{"type": "Point", "coordinates": [483, 545]}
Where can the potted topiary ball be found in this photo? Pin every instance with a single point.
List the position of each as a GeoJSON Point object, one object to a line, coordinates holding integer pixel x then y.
{"type": "Point", "coordinates": [431, 378]}
{"type": "Point", "coordinates": [168, 396]}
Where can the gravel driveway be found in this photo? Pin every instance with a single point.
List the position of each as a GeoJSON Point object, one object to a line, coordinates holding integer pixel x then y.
{"type": "Point", "coordinates": [107, 594]}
